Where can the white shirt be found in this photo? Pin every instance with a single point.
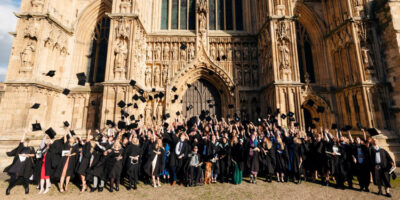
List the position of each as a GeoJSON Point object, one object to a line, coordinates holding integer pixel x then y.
{"type": "Point", "coordinates": [377, 156]}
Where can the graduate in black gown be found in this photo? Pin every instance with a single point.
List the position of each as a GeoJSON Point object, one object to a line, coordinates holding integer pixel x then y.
{"type": "Point", "coordinates": [253, 162]}
{"type": "Point", "coordinates": [43, 169]}
{"type": "Point", "coordinates": [153, 166]}
{"type": "Point", "coordinates": [224, 160]}
{"type": "Point", "coordinates": [239, 155]}
{"type": "Point", "coordinates": [95, 171]}
{"type": "Point", "coordinates": [179, 149]}
{"type": "Point", "coordinates": [86, 158]}
{"type": "Point", "coordinates": [133, 155]}
{"type": "Point", "coordinates": [382, 163]}
{"type": "Point", "coordinates": [360, 154]}
{"type": "Point", "coordinates": [69, 158]}
{"type": "Point", "coordinates": [114, 164]}
{"type": "Point", "coordinates": [22, 167]}
{"type": "Point", "coordinates": [281, 153]}
{"type": "Point", "coordinates": [268, 159]}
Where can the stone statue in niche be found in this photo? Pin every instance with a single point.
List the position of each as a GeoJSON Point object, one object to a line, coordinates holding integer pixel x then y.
{"type": "Point", "coordinates": [37, 5]}
{"type": "Point", "coordinates": [255, 75]}
{"type": "Point", "coordinates": [246, 53]}
{"type": "Point", "coordinates": [126, 6]}
{"type": "Point", "coordinates": [147, 114]}
{"type": "Point", "coordinates": [27, 57]}
{"type": "Point", "coordinates": [183, 55]}
{"type": "Point", "coordinates": [121, 57]}
{"type": "Point", "coordinates": [175, 52]}
{"type": "Point", "coordinates": [191, 52]}
{"type": "Point", "coordinates": [238, 54]}
{"type": "Point", "coordinates": [239, 74]}
{"type": "Point", "coordinates": [122, 29]}
{"type": "Point", "coordinates": [166, 51]}
{"type": "Point", "coordinates": [157, 76]}
{"type": "Point", "coordinates": [202, 22]}
{"type": "Point", "coordinates": [247, 75]}
{"type": "Point", "coordinates": [213, 52]}
{"type": "Point", "coordinates": [159, 111]}
{"type": "Point", "coordinates": [147, 76]}
{"type": "Point", "coordinates": [202, 10]}
{"type": "Point", "coordinates": [283, 31]}
{"type": "Point", "coordinates": [164, 74]}
{"type": "Point", "coordinates": [157, 52]}
{"type": "Point", "coordinates": [253, 51]}
{"type": "Point", "coordinates": [149, 53]}
{"type": "Point", "coordinates": [366, 57]}
{"type": "Point", "coordinates": [284, 52]}
{"type": "Point", "coordinates": [229, 52]}
{"type": "Point", "coordinates": [221, 52]}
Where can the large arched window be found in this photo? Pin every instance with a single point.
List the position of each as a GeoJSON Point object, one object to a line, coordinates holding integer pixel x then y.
{"type": "Point", "coordinates": [226, 14]}
{"type": "Point", "coordinates": [305, 54]}
{"type": "Point", "coordinates": [178, 14]}
{"type": "Point", "coordinates": [98, 51]}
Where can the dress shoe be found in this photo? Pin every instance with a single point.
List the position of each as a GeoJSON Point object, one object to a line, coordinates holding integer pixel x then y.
{"type": "Point", "coordinates": [117, 188]}
{"type": "Point", "coordinates": [111, 189]}
{"type": "Point", "coordinates": [100, 189]}
{"type": "Point", "coordinates": [379, 193]}
{"type": "Point", "coordinates": [8, 191]}
{"type": "Point", "coordinates": [129, 187]}
{"type": "Point", "coordinates": [388, 195]}
{"type": "Point", "coordinates": [134, 186]}
{"type": "Point", "coordinates": [27, 190]}
{"type": "Point", "coordinates": [92, 189]}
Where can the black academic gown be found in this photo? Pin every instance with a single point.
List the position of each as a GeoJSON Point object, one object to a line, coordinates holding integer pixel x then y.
{"type": "Point", "coordinates": [132, 166]}
{"type": "Point", "coordinates": [39, 163]}
{"type": "Point", "coordinates": [73, 160]}
{"type": "Point", "coordinates": [253, 161]}
{"type": "Point", "coordinates": [98, 164]}
{"type": "Point", "coordinates": [85, 161]}
{"type": "Point", "coordinates": [239, 155]}
{"type": "Point", "coordinates": [23, 169]}
{"type": "Point", "coordinates": [113, 166]}
{"type": "Point", "coordinates": [148, 167]}
{"type": "Point", "coordinates": [225, 159]}
{"type": "Point", "coordinates": [268, 159]}
{"type": "Point", "coordinates": [385, 166]}
{"type": "Point", "coordinates": [282, 157]}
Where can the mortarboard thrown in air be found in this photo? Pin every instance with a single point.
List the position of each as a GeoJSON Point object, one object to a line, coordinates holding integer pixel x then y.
{"type": "Point", "coordinates": [51, 73]}
{"type": "Point", "coordinates": [66, 91]}
{"type": "Point", "coordinates": [183, 46]}
{"type": "Point", "coordinates": [141, 91]}
{"type": "Point", "coordinates": [132, 83]}
{"type": "Point", "coordinates": [290, 114]}
{"type": "Point", "coordinates": [189, 85]}
{"type": "Point", "coordinates": [334, 126]}
{"type": "Point", "coordinates": [320, 109]}
{"type": "Point", "coordinates": [135, 106]}
{"type": "Point", "coordinates": [142, 99]}
{"type": "Point", "coordinates": [174, 89]}
{"type": "Point", "coordinates": [283, 116]}
{"type": "Point", "coordinates": [153, 90]}
{"type": "Point", "coordinates": [373, 131]}
{"type": "Point", "coordinates": [36, 127]}
{"type": "Point", "coordinates": [178, 113]}
{"type": "Point", "coordinates": [66, 124]}
{"type": "Point", "coordinates": [35, 106]}
{"type": "Point", "coordinates": [81, 78]}
{"type": "Point", "coordinates": [230, 106]}
{"type": "Point", "coordinates": [51, 133]}
{"type": "Point", "coordinates": [121, 104]}
{"type": "Point", "coordinates": [310, 103]}
{"type": "Point", "coordinates": [135, 97]}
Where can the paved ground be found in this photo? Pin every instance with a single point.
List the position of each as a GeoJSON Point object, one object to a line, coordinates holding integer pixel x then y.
{"type": "Point", "coordinates": [261, 190]}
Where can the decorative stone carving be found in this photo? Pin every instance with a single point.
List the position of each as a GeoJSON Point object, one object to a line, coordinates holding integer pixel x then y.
{"type": "Point", "coordinates": [164, 75]}
{"type": "Point", "coordinates": [126, 6]}
{"type": "Point", "coordinates": [175, 52]}
{"type": "Point", "coordinates": [284, 66]}
{"type": "Point", "coordinates": [37, 5]}
{"type": "Point", "coordinates": [191, 52]}
{"type": "Point", "coordinates": [120, 60]}
{"type": "Point", "coordinates": [147, 76]}
{"type": "Point", "coordinates": [213, 52]}
{"type": "Point", "coordinates": [183, 55]}
{"type": "Point", "coordinates": [157, 76]}
{"type": "Point", "coordinates": [148, 114]}
{"type": "Point", "coordinates": [166, 51]}
{"type": "Point", "coordinates": [27, 57]}
{"type": "Point", "coordinates": [149, 53]}
{"type": "Point", "coordinates": [32, 28]}
{"type": "Point", "coordinates": [122, 29]}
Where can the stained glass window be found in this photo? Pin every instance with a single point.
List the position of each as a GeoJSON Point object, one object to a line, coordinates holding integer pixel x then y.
{"type": "Point", "coordinates": [164, 14]}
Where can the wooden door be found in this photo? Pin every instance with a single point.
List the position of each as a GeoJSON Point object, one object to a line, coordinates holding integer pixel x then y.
{"type": "Point", "coordinates": [202, 95]}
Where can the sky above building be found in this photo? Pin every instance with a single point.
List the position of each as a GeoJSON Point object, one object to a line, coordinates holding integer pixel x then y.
{"type": "Point", "coordinates": [8, 24]}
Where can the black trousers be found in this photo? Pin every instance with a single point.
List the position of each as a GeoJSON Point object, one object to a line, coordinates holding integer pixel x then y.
{"type": "Point", "coordinates": [195, 174]}
{"type": "Point", "coordinates": [14, 179]}
{"type": "Point", "coordinates": [363, 177]}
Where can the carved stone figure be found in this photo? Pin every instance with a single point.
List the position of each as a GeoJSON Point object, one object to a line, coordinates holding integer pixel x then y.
{"type": "Point", "coordinates": [183, 55]}
{"type": "Point", "coordinates": [164, 75]}
{"type": "Point", "coordinates": [174, 52]}
{"type": "Point", "coordinates": [166, 51]}
{"type": "Point", "coordinates": [121, 56]}
{"type": "Point", "coordinates": [148, 114]}
{"type": "Point", "coordinates": [213, 52]}
{"type": "Point", "coordinates": [27, 57]}
{"type": "Point", "coordinates": [191, 52]}
{"type": "Point", "coordinates": [229, 52]}
{"type": "Point", "coordinates": [246, 53]}
{"type": "Point", "coordinates": [157, 52]}
{"type": "Point", "coordinates": [32, 28]}
{"type": "Point", "coordinates": [284, 60]}
{"type": "Point", "coordinates": [37, 5]}
{"type": "Point", "coordinates": [247, 75]}
{"type": "Point", "coordinates": [221, 52]}
{"type": "Point", "coordinates": [122, 29]}
{"type": "Point", "coordinates": [159, 111]}
{"type": "Point", "coordinates": [149, 53]}
{"type": "Point", "coordinates": [255, 75]}
{"type": "Point", "coordinates": [282, 30]}
{"type": "Point", "coordinates": [366, 57]}
{"type": "Point", "coordinates": [253, 53]}
{"type": "Point", "coordinates": [147, 76]}
{"type": "Point", "coordinates": [238, 54]}
{"type": "Point", "coordinates": [239, 75]}
{"type": "Point", "coordinates": [157, 76]}
{"type": "Point", "coordinates": [125, 6]}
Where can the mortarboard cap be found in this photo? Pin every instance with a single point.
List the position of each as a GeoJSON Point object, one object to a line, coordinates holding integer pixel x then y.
{"type": "Point", "coordinates": [72, 132]}
{"type": "Point", "coordinates": [36, 127]}
{"type": "Point", "coordinates": [81, 78]}
{"type": "Point", "coordinates": [66, 124]}
{"type": "Point", "coordinates": [126, 114]}
{"type": "Point", "coordinates": [141, 116]}
{"type": "Point", "coordinates": [161, 95]}
{"type": "Point", "coordinates": [93, 103]}
{"type": "Point", "coordinates": [313, 126]}
{"type": "Point", "coordinates": [135, 97]}
{"type": "Point", "coordinates": [223, 57]}
{"type": "Point", "coordinates": [51, 73]}
{"type": "Point", "coordinates": [218, 59]}
{"type": "Point", "coordinates": [66, 91]}
{"type": "Point", "coordinates": [165, 125]}
{"type": "Point", "coordinates": [150, 97]}
{"type": "Point", "coordinates": [290, 114]}
{"type": "Point", "coordinates": [141, 91]}
{"type": "Point", "coordinates": [129, 105]}
{"type": "Point", "coordinates": [296, 124]}
{"type": "Point", "coordinates": [132, 83]}
{"type": "Point", "coordinates": [334, 126]}
{"type": "Point", "coordinates": [373, 131]}
{"type": "Point", "coordinates": [51, 133]}
{"type": "Point", "coordinates": [189, 85]}
{"type": "Point", "coordinates": [121, 104]}
{"type": "Point", "coordinates": [348, 128]}
{"type": "Point", "coordinates": [283, 116]}
{"type": "Point", "coordinates": [292, 119]}
{"type": "Point", "coordinates": [142, 99]}
{"type": "Point", "coordinates": [316, 119]}
{"type": "Point", "coordinates": [174, 89]}
{"type": "Point", "coordinates": [178, 113]}
{"type": "Point", "coordinates": [132, 117]}
{"type": "Point", "coordinates": [36, 106]}
{"type": "Point", "coordinates": [183, 46]}
{"type": "Point", "coordinates": [121, 125]}
{"type": "Point", "coordinates": [230, 106]}
{"type": "Point", "coordinates": [135, 106]}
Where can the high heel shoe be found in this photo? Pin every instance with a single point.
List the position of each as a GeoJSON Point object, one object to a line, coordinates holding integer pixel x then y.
{"type": "Point", "coordinates": [46, 190]}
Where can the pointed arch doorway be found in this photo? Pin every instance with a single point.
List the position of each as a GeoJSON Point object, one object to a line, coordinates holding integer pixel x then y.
{"type": "Point", "coordinates": [201, 95]}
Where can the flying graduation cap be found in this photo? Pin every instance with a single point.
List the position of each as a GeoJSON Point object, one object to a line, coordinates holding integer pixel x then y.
{"type": "Point", "coordinates": [373, 131]}
{"type": "Point", "coordinates": [230, 106]}
{"type": "Point", "coordinates": [66, 123]}
{"type": "Point", "coordinates": [121, 104]}
{"type": "Point", "coordinates": [51, 73]}
{"type": "Point", "coordinates": [141, 91]}
{"type": "Point", "coordinates": [66, 91]}
{"type": "Point", "coordinates": [189, 85]}
{"type": "Point", "coordinates": [290, 114]}
{"type": "Point", "coordinates": [35, 106]}
{"type": "Point", "coordinates": [51, 133]}
{"type": "Point", "coordinates": [174, 89]}
{"type": "Point", "coordinates": [283, 116]}
{"type": "Point", "coordinates": [183, 46]}
{"type": "Point", "coordinates": [320, 109]}
{"type": "Point", "coordinates": [310, 103]}
{"type": "Point", "coordinates": [334, 126]}
{"type": "Point", "coordinates": [36, 127]}
{"type": "Point", "coordinates": [81, 78]}
{"type": "Point", "coordinates": [132, 83]}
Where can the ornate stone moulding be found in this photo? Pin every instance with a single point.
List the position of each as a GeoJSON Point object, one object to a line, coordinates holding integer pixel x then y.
{"type": "Point", "coordinates": [49, 17]}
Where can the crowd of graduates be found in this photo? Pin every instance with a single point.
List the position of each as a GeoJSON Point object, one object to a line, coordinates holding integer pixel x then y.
{"type": "Point", "coordinates": [188, 152]}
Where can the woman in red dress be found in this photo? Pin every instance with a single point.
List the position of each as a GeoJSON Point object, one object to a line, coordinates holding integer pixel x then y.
{"type": "Point", "coordinates": [45, 167]}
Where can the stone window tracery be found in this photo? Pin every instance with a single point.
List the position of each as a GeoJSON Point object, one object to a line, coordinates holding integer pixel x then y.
{"type": "Point", "coordinates": [178, 15]}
